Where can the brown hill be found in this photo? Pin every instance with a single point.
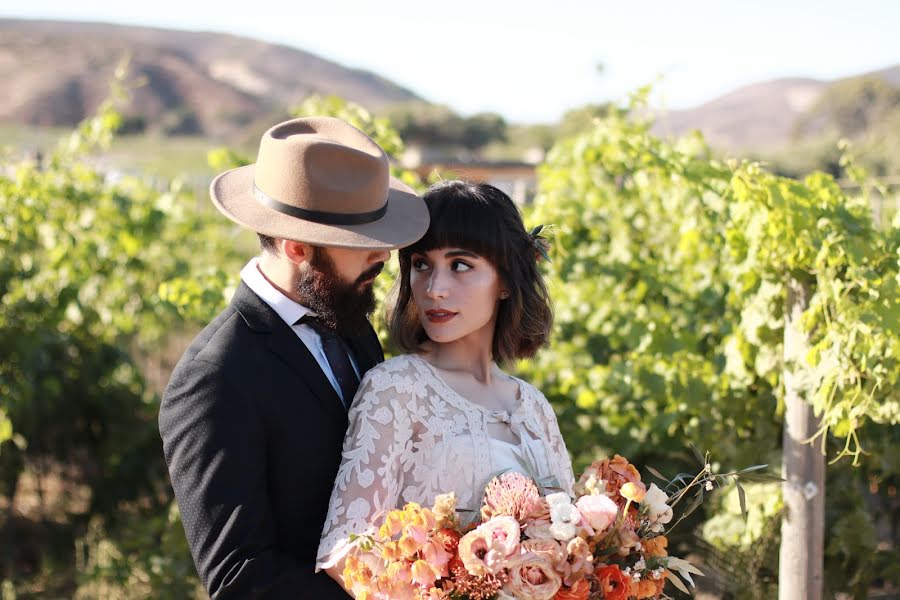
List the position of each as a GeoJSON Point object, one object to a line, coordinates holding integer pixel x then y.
{"type": "Point", "coordinates": [56, 73]}
{"type": "Point", "coordinates": [758, 117]}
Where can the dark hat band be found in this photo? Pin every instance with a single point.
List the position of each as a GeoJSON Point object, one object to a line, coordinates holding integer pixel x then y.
{"type": "Point", "coordinates": [317, 216]}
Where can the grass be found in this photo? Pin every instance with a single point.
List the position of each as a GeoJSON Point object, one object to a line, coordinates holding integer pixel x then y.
{"type": "Point", "coordinates": [156, 156]}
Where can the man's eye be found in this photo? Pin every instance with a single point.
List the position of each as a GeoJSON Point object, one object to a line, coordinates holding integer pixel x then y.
{"type": "Point", "coordinates": [461, 266]}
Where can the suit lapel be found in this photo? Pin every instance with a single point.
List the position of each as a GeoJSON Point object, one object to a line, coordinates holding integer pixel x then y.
{"type": "Point", "coordinates": [366, 357]}
{"type": "Point", "coordinates": [284, 343]}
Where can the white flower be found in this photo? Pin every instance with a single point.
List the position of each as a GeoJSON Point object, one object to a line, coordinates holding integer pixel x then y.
{"type": "Point", "coordinates": [558, 498]}
{"type": "Point", "coordinates": [565, 517]}
{"type": "Point", "coordinates": [658, 512]}
{"type": "Point", "coordinates": [539, 532]}
{"type": "Point", "coordinates": [709, 486]}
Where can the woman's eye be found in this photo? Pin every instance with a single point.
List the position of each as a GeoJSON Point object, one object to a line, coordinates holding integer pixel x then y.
{"type": "Point", "coordinates": [461, 266]}
{"type": "Point", "coordinates": [419, 265]}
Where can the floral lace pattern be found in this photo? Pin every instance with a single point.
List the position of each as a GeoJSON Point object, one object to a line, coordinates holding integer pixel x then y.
{"type": "Point", "coordinates": [412, 437]}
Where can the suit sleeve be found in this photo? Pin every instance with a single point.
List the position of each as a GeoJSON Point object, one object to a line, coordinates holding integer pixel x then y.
{"type": "Point", "coordinates": [216, 454]}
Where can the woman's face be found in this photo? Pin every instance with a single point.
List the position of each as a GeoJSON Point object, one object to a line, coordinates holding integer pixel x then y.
{"type": "Point", "coordinates": [456, 293]}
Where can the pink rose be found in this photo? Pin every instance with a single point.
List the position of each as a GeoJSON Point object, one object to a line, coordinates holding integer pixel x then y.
{"type": "Point", "coordinates": [486, 548]}
{"type": "Point", "coordinates": [532, 577]}
{"type": "Point", "coordinates": [598, 512]}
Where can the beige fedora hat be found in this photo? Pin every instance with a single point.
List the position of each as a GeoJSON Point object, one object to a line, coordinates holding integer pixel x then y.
{"type": "Point", "coordinates": [322, 181]}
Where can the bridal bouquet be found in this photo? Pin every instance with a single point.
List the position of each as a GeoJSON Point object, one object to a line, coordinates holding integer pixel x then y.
{"type": "Point", "coordinates": [608, 543]}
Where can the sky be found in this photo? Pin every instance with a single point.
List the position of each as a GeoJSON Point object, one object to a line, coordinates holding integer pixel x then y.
{"type": "Point", "coordinates": [530, 61]}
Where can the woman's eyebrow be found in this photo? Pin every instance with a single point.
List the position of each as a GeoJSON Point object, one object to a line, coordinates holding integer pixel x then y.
{"type": "Point", "coordinates": [455, 253]}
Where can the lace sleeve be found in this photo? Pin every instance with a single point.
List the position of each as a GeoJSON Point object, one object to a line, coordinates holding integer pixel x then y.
{"type": "Point", "coordinates": [557, 446]}
{"type": "Point", "coordinates": [369, 480]}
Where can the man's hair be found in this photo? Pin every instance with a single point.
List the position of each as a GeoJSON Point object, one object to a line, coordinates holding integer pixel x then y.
{"type": "Point", "coordinates": [267, 243]}
{"type": "Point", "coordinates": [482, 219]}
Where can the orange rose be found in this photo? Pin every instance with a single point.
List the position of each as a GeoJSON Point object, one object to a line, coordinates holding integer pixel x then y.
{"type": "Point", "coordinates": [579, 591]}
{"type": "Point", "coordinates": [613, 583]}
{"type": "Point", "coordinates": [648, 587]}
{"type": "Point", "coordinates": [655, 546]}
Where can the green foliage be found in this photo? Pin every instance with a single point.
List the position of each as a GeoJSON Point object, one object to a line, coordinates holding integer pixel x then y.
{"type": "Point", "coordinates": [668, 274]}
{"type": "Point", "coordinates": [82, 255]}
{"type": "Point", "coordinates": [669, 279]}
{"type": "Point", "coordinates": [576, 121]}
{"type": "Point", "coordinates": [146, 557]}
{"type": "Point", "coordinates": [437, 125]}
{"type": "Point", "coordinates": [377, 128]}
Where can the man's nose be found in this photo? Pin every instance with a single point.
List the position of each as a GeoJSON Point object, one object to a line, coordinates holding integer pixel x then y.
{"type": "Point", "coordinates": [380, 256]}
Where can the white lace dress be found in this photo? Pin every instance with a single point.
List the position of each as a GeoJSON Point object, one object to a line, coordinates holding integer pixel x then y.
{"type": "Point", "coordinates": [411, 438]}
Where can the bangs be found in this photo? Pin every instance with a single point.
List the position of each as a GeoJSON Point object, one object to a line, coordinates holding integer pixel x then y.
{"type": "Point", "coordinates": [462, 222]}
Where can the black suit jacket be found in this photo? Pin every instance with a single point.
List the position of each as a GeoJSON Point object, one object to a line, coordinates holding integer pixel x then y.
{"type": "Point", "coordinates": [252, 432]}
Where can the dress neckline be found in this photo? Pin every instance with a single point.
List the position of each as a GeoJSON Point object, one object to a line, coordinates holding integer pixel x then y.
{"type": "Point", "coordinates": [484, 410]}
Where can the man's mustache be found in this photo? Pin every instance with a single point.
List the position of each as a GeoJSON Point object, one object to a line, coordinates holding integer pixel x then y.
{"type": "Point", "coordinates": [371, 273]}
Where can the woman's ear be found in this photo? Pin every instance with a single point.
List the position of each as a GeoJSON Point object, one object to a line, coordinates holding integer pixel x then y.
{"type": "Point", "coordinates": [504, 294]}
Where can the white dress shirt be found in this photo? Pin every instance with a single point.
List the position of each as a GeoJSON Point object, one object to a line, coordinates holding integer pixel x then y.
{"type": "Point", "coordinates": [290, 312]}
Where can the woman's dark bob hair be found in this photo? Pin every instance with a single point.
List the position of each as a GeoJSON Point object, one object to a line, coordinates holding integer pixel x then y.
{"type": "Point", "coordinates": [482, 219]}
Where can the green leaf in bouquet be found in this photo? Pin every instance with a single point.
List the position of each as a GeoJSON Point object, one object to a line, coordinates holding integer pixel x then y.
{"type": "Point", "coordinates": [656, 474]}
{"type": "Point", "coordinates": [761, 477]}
{"type": "Point", "coordinates": [606, 551]}
{"type": "Point", "coordinates": [753, 468]}
{"type": "Point", "coordinates": [697, 454]}
{"type": "Point", "coordinates": [685, 569]}
{"type": "Point", "coordinates": [677, 582]}
{"type": "Point", "coordinates": [694, 505]}
{"type": "Point", "coordinates": [742, 497]}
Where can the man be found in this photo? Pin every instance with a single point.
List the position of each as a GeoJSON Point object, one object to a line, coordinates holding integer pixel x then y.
{"type": "Point", "coordinates": [255, 413]}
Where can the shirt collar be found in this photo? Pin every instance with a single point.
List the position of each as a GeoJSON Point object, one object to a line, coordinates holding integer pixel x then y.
{"type": "Point", "coordinates": [289, 311]}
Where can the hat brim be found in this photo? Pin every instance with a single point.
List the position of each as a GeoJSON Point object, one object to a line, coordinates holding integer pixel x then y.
{"type": "Point", "coordinates": [405, 221]}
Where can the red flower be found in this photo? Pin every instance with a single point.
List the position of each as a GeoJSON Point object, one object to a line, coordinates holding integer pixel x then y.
{"type": "Point", "coordinates": [579, 591]}
{"type": "Point", "coordinates": [613, 583]}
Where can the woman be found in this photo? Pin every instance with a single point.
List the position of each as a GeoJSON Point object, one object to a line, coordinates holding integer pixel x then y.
{"type": "Point", "coordinates": [444, 417]}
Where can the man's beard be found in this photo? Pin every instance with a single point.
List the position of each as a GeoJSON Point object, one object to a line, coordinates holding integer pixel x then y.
{"type": "Point", "coordinates": [344, 307]}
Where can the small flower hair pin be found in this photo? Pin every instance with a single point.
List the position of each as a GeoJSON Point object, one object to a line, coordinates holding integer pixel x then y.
{"type": "Point", "coordinates": [541, 244]}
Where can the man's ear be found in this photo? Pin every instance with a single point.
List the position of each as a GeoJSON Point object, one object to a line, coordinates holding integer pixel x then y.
{"type": "Point", "coordinates": [296, 252]}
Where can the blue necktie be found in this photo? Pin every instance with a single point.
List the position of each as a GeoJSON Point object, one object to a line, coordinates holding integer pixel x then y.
{"type": "Point", "coordinates": [338, 355]}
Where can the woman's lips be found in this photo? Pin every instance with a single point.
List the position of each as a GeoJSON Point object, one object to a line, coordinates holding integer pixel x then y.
{"type": "Point", "coordinates": [439, 316]}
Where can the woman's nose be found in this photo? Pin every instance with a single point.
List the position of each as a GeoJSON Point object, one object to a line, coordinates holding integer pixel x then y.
{"type": "Point", "coordinates": [437, 285]}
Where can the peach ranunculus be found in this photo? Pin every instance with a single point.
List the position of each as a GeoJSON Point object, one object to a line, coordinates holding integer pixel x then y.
{"type": "Point", "coordinates": [598, 512]}
{"type": "Point", "coordinates": [485, 549]}
{"type": "Point", "coordinates": [615, 472]}
{"type": "Point", "coordinates": [655, 546]}
{"type": "Point", "coordinates": [579, 561]}
{"type": "Point", "coordinates": [628, 539]}
{"type": "Point", "coordinates": [550, 549]}
{"type": "Point", "coordinates": [579, 591]}
{"type": "Point", "coordinates": [532, 577]}
{"type": "Point", "coordinates": [614, 584]}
